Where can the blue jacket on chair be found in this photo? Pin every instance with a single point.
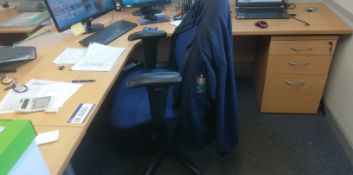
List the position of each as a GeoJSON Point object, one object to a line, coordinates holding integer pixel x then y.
{"type": "Point", "coordinates": [206, 100]}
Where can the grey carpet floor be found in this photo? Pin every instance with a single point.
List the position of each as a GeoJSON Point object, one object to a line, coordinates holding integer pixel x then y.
{"type": "Point", "coordinates": [270, 144]}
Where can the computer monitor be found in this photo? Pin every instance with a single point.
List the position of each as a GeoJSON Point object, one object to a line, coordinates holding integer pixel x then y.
{"type": "Point", "coordinates": [146, 6]}
{"type": "Point", "coordinates": [65, 13]}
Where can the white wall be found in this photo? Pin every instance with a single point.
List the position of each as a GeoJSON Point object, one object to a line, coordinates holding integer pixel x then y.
{"type": "Point", "coordinates": [346, 4]}
{"type": "Point", "coordinates": [339, 90]}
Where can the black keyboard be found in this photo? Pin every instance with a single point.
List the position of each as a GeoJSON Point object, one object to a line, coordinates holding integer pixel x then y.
{"type": "Point", "coordinates": [109, 33]}
{"type": "Point", "coordinates": [262, 13]}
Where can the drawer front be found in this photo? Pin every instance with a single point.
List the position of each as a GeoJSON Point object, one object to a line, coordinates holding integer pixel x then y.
{"type": "Point", "coordinates": [292, 93]}
{"type": "Point", "coordinates": [302, 47]}
{"type": "Point", "coordinates": [299, 64]}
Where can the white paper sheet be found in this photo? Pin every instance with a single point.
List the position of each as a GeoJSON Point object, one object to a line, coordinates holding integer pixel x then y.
{"type": "Point", "coordinates": [98, 58]}
{"type": "Point", "coordinates": [47, 137]}
{"type": "Point", "coordinates": [61, 91]}
{"type": "Point", "coordinates": [176, 23]}
{"type": "Point", "coordinates": [70, 56]}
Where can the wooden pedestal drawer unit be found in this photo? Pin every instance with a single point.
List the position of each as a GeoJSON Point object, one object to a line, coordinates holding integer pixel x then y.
{"type": "Point", "coordinates": [293, 72]}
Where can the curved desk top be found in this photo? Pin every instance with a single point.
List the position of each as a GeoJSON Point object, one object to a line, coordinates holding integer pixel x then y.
{"type": "Point", "coordinates": [52, 44]}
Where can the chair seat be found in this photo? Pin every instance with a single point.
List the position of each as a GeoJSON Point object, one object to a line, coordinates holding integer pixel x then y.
{"type": "Point", "coordinates": [130, 107]}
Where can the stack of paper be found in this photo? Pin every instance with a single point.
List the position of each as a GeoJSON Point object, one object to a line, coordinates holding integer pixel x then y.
{"type": "Point", "coordinates": [61, 91]}
{"type": "Point", "coordinates": [97, 57]}
{"type": "Point", "coordinates": [70, 56]}
{"type": "Point", "coordinates": [176, 23]}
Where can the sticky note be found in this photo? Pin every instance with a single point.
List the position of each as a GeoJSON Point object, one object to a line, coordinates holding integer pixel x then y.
{"type": "Point", "coordinates": [77, 29]}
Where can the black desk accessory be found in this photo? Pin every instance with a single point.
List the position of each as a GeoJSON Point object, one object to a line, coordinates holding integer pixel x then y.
{"type": "Point", "coordinates": [311, 9]}
{"type": "Point", "coordinates": [13, 57]}
{"type": "Point", "coordinates": [109, 33]}
{"type": "Point", "coordinates": [159, 18]}
{"type": "Point", "coordinates": [5, 5]}
{"type": "Point", "coordinates": [186, 5]}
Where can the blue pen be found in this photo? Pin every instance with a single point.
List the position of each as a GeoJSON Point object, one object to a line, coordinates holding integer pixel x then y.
{"type": "Point", "coordinates": [82, 81]}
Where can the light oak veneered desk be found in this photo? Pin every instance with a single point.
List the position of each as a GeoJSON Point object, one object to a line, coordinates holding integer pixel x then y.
{"type": "Point", "coordinates": [281, 68]}
{"type": "Point", "coordinates": [9, 35]}
{"type": "Point", "coordinates": [292, 60]}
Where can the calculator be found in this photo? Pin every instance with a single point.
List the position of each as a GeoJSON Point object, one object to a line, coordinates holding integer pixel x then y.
{"type": "Point", "coordinates": [35, 104]}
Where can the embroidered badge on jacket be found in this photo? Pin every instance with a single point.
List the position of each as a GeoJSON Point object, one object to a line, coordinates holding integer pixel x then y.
{"type": "Point", "coordinates": [200, 85]}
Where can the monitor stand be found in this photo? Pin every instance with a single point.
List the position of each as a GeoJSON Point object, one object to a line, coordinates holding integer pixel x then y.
{"type": "Point", "coordinates": [186, 5]}
{"type": "Point", "coordinates": [148, 12]}
{"type": "Point", "coordinates": [91, 28]}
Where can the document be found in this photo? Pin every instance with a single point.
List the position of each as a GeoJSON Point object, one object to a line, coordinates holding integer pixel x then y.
{"type": "Point", "coordinates": [70, 56]}
{"type": "Point", "coordinates": [60, 91]}
{"type": "Point", "coordinates": [176, 23]}
{"type": "Point", "coordinates": [98, 58]}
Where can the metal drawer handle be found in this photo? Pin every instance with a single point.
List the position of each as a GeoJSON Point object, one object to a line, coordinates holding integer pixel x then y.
{"type": "Point", "coordinates": [292, 63]}
{"type": "Point", "coordinates": [302, 49]}
{"type": "Point", "coordinates": [295, 83]}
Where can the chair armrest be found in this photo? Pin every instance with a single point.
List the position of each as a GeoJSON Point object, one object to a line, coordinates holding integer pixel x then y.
{"type": "Point", "coordinates": [147, 35]}
{"type": "Point", "coordinates": [154, 79]}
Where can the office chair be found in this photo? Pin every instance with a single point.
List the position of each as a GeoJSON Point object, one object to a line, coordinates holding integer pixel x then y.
{"type": "Point", "coordinates": [150, 94]}
{"type": "Point", "coordinates": [144, 95]}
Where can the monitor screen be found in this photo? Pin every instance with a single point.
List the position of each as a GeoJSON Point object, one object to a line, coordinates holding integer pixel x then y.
{"type": "Point", "coordinates": [65, 13]}
{"type": "Point", "coordinates": [142, 3]}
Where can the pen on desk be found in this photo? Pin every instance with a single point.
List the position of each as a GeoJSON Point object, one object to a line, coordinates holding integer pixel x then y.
{"type": "Point", "coordinates": [82, 81]}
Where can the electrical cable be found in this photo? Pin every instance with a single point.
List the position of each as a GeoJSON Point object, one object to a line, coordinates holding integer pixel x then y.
{"type": "Point", "coordinates": [289, 5]}
{"type": "Point", "coordinates": [293, 17]}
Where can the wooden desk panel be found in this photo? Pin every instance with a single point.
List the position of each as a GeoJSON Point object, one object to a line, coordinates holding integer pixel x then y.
{"type": "Point", "coordinates": [8, 14]}
{"type": "Point", "coordinates": [10, 35]}
{"type": "Point", "coordinates": [323, 22]}
{"type": "Point", "coordinates": [58, 154]}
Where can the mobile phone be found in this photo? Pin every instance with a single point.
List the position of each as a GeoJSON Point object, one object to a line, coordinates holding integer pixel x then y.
{"type": "Point", "coordinates": [36, 104]}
